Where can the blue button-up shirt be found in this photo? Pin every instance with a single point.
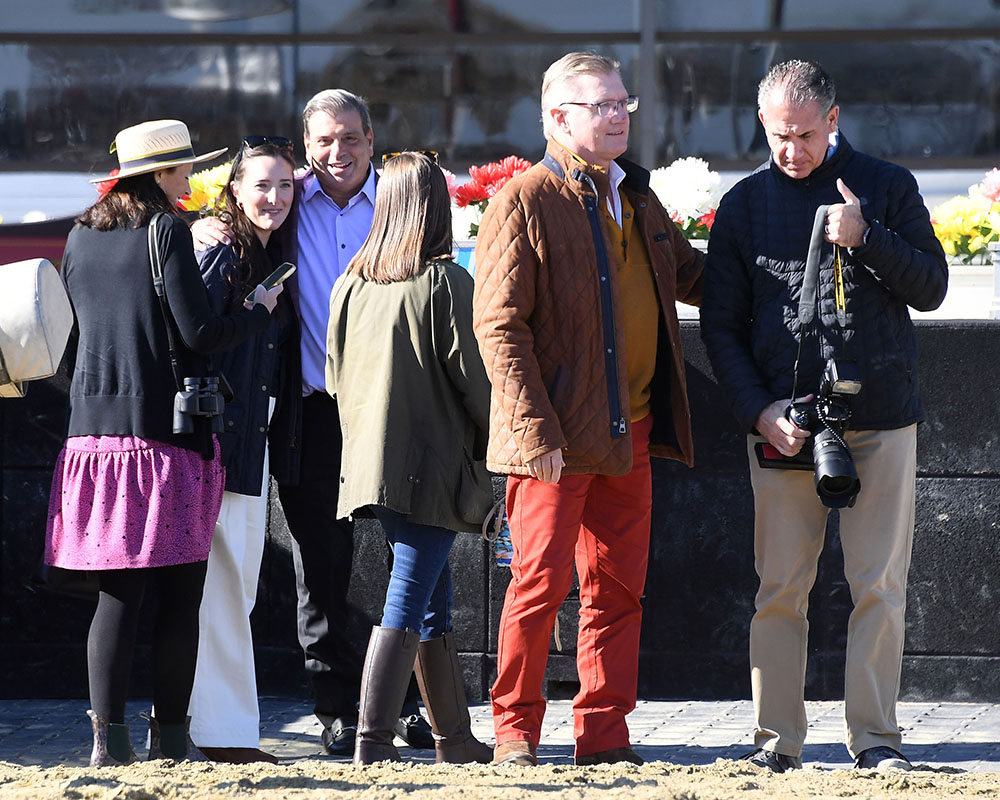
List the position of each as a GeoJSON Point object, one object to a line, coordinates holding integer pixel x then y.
{"type": "Point", "coordinates": [328, 238]}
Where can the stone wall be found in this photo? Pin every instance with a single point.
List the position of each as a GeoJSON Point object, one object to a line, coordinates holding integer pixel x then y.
{"type": "Point", "coordinates": [699, 595]}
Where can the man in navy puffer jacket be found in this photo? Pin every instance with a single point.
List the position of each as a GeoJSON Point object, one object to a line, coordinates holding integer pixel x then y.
{"type": "Point", "coordinates": [880, 256]}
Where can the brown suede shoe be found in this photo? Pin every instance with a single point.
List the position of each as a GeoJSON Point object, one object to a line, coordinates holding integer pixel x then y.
{"type": "Point", "coordinates": [517, 752]}
{"type": "Point", "coordinates": [237, 755]}
{"type": "Point", "coordinates": [614, 756]}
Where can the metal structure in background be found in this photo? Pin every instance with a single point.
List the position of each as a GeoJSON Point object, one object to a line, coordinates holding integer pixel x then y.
{"type": "Point", "coordinates": [918, 78]}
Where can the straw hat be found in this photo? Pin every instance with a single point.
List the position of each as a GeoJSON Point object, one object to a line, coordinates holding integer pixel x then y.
{"type": "Point", "coordinates": [149, 146]}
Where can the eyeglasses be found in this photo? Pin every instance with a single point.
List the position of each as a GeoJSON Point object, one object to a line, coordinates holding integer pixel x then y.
{"type": "Point", "coordinates": [275, 141]}
{"type": "Point", "coordinates": [609, 108]}
{"type": "Point", "coordinates": [431, 154]}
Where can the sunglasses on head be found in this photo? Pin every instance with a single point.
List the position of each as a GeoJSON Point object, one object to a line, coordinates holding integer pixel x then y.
{"type": "Point", "coordinates": [275, 141]}
{"type": "Point", "coordinates": [431, 154]}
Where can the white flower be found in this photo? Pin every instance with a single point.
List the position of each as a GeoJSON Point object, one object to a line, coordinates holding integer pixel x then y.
{"type": "Point", "coordinates": [687, 188]}
{"type": "Point", "coordinates": [462, 220]}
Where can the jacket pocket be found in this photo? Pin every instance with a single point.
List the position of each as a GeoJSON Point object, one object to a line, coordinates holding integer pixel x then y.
{"type": "Point", "coordinates": [557, 387]}
{"type": "Point", "coordinates": [474, 496]}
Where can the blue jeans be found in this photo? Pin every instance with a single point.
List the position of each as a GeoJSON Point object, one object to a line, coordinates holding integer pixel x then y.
{"type": "Point", "coordinates": [419, 596]}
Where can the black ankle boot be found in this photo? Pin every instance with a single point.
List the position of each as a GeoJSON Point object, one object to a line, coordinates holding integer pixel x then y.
{"type": "Point", "coordinates": [112, 746]}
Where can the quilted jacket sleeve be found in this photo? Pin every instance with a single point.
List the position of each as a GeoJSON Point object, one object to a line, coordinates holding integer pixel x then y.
{"type": "Point", "coordinates": [902, 250]}
{"type": "Point", "coordinates": [690, 267]}
{"type": "Point", "coordinates": [726, 313]}
{"type": "Point", "coordinates": [215, 265]}
{"type": "Point", "coordinates": [507, 267]}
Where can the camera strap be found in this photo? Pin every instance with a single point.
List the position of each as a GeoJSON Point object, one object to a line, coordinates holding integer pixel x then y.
{"type": "Point", "coordinates": [156, 267]}
{"type": "Point", "coordinates": [810, 282]}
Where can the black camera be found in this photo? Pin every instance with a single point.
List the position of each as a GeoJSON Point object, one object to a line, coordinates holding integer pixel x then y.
{"type": "Point", "coordinates": [200, 397]}
{"type": "Point", "coordinates": [825, 451]}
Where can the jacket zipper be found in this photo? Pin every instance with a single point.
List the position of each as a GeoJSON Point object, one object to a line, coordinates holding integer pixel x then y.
{"type": "Point", "coordinates": [618, 424]}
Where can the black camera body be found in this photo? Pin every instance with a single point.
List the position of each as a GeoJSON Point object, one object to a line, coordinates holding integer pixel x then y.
{"type": "Point", "coordinates": [200, 397]}
{"type": "Point", "coordinates": [825, 451]}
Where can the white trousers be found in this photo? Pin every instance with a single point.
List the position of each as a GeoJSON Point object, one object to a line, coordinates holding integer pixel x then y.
{"type": "Point", "coordinates": [224, 710]}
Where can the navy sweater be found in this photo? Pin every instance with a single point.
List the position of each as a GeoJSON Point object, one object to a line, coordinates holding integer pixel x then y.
{"type": "Point", "coordinates": [123, 384]}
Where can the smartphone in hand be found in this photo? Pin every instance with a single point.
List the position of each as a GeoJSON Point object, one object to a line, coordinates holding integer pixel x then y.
{"type": "Point", "coordinates": [276, 277]}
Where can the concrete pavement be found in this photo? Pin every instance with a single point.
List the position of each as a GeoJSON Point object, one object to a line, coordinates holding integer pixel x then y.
{"type": "Point", "coordinates": [953, 736]}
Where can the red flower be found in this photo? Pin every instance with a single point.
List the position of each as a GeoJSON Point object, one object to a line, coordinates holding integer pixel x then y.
{"type": "Point", "coordinates": [469, 193]}
{"type": "Point", "coordinates": [707, 219]}
{"type": "Point", "coordinates": [106, 186]}
{"type": "Point", "coordinates": [488, 179]}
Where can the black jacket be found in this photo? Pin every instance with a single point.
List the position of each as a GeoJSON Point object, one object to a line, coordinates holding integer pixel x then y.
{"type": "Point", "coordinates": [253, 370]}
{"type": "Point", "coordinates": [753, 277]}
{"type": "Point", "coordinates": [122, 380]}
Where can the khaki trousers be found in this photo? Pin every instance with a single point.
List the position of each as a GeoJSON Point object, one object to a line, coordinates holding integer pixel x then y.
{"type": "Point", "coordinates": [876, 536]}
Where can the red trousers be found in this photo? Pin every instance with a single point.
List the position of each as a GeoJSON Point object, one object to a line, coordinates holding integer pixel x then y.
{"type": "Point", "coordinates": [602, 524]}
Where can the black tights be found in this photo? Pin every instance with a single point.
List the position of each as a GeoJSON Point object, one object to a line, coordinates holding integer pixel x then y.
{"type": "Point", "coordinates": [111, 644]}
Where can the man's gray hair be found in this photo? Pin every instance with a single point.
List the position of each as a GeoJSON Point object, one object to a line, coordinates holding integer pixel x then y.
{"type": "Point", "coordinates": [334, 102]}
{"type": "Point", "coordinates": [800, 83]}
{"type": "Point", "coordinates": [566, 69]}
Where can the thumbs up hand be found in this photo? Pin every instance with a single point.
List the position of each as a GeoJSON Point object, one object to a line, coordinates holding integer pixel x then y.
{"type": "Point", "coordinates": [844, 224]}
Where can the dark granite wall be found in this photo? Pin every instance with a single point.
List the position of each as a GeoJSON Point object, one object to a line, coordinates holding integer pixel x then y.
{"type": "Point", "coordinates": [699, 595]}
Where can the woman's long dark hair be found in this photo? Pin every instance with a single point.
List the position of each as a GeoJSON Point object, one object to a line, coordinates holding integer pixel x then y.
{"type": "Point", "coordinates": [130, 203]}
{"type": "Point", "coordinates": [411, 224]}
{"type": "Point", "coordinates": [253, 262]}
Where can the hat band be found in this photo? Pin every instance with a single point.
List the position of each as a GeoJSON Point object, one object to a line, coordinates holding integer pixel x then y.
{"type": "Point", "coordinates": [159, 158]}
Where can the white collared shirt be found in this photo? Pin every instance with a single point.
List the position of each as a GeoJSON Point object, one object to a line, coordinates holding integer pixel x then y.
{"type": "Point", "coordinates": [615, 176]}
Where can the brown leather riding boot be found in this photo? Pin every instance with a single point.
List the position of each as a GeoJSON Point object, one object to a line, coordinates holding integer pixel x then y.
{"type": "Point", "coordinates": [440, 680]}
{"type": "Point", "coordinates": [386, 674]}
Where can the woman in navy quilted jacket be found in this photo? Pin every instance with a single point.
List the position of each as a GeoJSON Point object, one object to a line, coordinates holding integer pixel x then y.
{"type": "Point", "coordinates": [256, 201]}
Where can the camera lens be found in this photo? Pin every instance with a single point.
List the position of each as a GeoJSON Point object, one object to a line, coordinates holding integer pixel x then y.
{"type": "Point", "coordinates": [837, 482]}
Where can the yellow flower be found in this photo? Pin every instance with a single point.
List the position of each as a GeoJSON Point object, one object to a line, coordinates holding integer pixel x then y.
{"type": "Point", "coordinates": [206, 186]}
{"type": "Point", "coordinates": [966, 224]}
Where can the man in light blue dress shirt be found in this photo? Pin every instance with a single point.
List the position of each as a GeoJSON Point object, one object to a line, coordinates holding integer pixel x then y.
{"type": "Point", "coordinates": [330, 220]}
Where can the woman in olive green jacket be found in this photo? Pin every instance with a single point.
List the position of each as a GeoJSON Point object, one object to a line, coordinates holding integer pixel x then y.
{"type": "Point", "coordinates": [413, 398]}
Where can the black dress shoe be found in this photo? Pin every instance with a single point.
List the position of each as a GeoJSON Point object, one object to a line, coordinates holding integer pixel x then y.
{"type": "Point", "coordinates": [776, 762]}
{"type": "Point", "coordinates": [616, 755]}
{"type": "Point", "coordinates": [338, 739]}
{"type": "Point", "coordinates": [882, 759]}
{"type": "Point", "coordinates": [415, 731]}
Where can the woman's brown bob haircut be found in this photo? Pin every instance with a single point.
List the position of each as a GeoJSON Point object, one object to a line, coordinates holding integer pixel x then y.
{"type": "Point", "coordinates": [412, 221]}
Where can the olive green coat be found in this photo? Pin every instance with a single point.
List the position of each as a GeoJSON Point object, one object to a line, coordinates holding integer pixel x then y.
{"type": "Point", "coordinates": [414, 398]}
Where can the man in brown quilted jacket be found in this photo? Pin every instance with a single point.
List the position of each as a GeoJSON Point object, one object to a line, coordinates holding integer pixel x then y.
{"type": "Point", "coordinates": [578, 268]}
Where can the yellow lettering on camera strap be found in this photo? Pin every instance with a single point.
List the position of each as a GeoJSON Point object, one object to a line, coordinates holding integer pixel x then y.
{"type": "Point", "coordinates": [838, 287]}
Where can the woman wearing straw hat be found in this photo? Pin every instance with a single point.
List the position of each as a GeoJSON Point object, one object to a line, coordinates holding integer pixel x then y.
{"type": "Point", "coordinates": [414, 405]}
{"type": "Point", "coordinates": [256, 201]}
{"type": "Point", "coordinates": [131, 498]}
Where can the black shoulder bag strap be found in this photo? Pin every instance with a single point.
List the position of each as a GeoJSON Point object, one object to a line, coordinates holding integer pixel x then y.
{"type": "Point", "coordinates": [156, 266]}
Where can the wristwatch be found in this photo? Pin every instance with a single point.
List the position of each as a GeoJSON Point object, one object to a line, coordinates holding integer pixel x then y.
{"type": "Point", "coordinates": [864, 236]}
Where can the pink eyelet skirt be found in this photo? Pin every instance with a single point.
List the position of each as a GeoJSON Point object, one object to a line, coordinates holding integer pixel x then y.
{"type": "Point", "coordinates": [122, 502]}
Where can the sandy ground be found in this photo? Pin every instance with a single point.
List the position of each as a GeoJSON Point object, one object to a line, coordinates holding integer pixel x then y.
{"type": "Point", "coordinates": [722, 780]}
